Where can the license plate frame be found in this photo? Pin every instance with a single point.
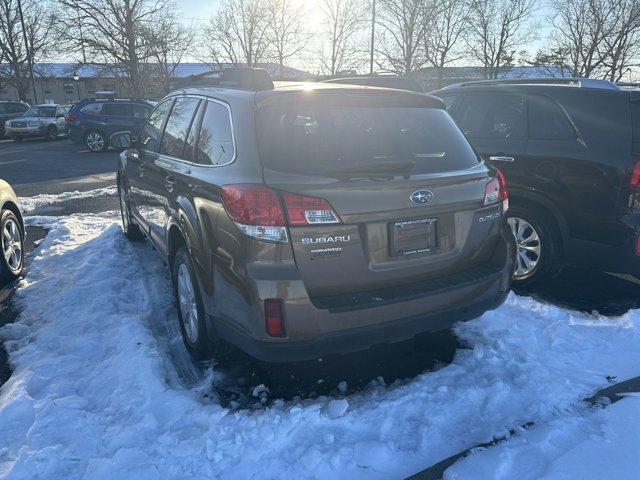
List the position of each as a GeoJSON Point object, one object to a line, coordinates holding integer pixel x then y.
{"type": "Point", "coordinates": [413, 237]}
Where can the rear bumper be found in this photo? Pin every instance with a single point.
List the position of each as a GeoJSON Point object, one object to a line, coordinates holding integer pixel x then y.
{"type": "Point", "coordinates": [362, 338]}
{"type": "Point", "coordinates": [40, 131]}
{"type": "Point", "coordinates": [76, 134]}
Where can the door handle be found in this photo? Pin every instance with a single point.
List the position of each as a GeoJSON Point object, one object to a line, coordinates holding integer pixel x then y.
{"type": "Point", "coordinates": [141, 170]}
{"type": "Point", "coordinates": [500, 158]}
{"type": "Point", "coordinates": [169, 183]}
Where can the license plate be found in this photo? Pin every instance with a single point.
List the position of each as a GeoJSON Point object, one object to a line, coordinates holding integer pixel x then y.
{"type": "Point", "coordinates": [19, 125]}
{"type": "Point", "coordinates": [409, 237]}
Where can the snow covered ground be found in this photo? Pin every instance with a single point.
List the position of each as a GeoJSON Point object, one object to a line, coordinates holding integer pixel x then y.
{"type": "Point", "coordinates": [95, 393]}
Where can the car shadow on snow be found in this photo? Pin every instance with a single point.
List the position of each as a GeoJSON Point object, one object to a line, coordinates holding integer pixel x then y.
{"type": "Point", "coordinates": [242, 382]}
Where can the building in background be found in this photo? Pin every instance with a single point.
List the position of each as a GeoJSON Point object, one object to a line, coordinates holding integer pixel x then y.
{"type": "Point", "coordinates": [66, 83]}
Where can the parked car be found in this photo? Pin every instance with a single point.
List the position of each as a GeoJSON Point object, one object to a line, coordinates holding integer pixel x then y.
{"type": "Point", "coordinates": [309, 219]}
{"type": "Point", "coordinates": [92, 121]}
{"type": "Point", "coordinates": [570, 149]}
{"type": "Point", "coordinates": [40, 121]}
{"type": "Point", "coordinates": [12, 234]}
{"type": "Point", "coordinates": [9, 110]}
{"type": "Point", "coordinates": [386, 81]}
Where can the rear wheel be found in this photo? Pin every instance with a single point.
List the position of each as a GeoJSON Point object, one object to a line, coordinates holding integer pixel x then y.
{"type": "Point", "coordinates": [538, 243]}
{"type": "Point", "coordinates": [191, 310]}
{"type": "Point", "coordinates": [12, 246]}
{"type": "Point", "coordinates": [95, 141]}
{"type": "Point", "coordinates": [129, 227]}
{"type": "Point", "coordinates": [52, 132]}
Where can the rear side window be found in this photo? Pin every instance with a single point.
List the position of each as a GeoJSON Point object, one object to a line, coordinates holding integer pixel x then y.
{"type": "Point", "coordinates": [140, 111]}
{"type": "Point", "coordinates": [360, 140]}
{"type": "Point", "coordinates": [92, 109]}
{"type": "Point", "coordinates": [177, 128]}
{"type": "Point", "coordinates": [547, 121]}
{"type": "Point", "coordinates": [3, 109]}
{"type": "Point", "coordinates": [635, 120]}
{"type": "Point", "coordinates": [214, 145]}
{"type": "Point", "coordinates": [116, 109]}
{"type": "Point", "coordinates": [491, 116]}
{"type": "Point", "coordinates": [150, 135]}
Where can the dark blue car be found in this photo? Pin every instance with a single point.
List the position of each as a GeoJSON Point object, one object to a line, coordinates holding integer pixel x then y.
{"type": "Point", "coordinates": [93, 121]}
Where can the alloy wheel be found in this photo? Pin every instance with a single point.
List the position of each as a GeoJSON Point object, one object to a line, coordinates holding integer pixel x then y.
{"type": "Point", "coordinates": [529, 247]}
{"type": "Point", "coordinates": [188, 305]}
{"type": "Point", "coordinates": [95, 141]}
{"type": "Point", "coordinates": [12, 245]}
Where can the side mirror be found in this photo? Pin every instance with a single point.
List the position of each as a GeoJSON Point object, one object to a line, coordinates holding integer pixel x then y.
{"type": "Point", "coordinates": [122, 140]}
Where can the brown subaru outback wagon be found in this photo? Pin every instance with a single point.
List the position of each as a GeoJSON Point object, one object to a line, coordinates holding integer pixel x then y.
{"type": "Point", "coordinates": [301, 220]}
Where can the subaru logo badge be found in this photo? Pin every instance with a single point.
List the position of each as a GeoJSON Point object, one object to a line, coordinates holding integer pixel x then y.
{"type": "Point", "coordinates": [421, 197]}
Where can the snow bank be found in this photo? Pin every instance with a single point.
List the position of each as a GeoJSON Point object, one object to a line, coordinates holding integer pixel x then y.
{"type": "Point", "coordinates": [29, 204]}
{"type": "Point", "coordinates": [93, 394]}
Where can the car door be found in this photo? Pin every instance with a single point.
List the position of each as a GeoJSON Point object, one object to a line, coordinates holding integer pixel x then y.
{"type": "Point", "coordinates": [61, 123]}
{"type": "Point", "coordinates": [167, 175]}
{"type": "Point", "coordinates": [138, 159]}
{"type": "Point", "coordinates": [496, 125]}
{"type": "Point", "coordinates": [119, 118]}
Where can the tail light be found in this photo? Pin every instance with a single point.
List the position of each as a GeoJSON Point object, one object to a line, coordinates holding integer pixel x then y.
{"type": "Point", "coordinates": [634, 182]}
{"type": "Point", "coordinates": [257, 211]}
{"type": "Point", "coordinates": [497, 191]}
{"type": "Point", "coordinates": [273, 317]}
{"type": "Point", "coordinates": [71, 117]}
{"type": "Point", "coordinates": [306, 210]}
{"type": "Point", "coordinates": [638, 244]}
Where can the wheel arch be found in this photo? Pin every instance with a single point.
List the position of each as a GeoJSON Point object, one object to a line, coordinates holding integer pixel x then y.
{"type": "Point", "coordinates": [518, 197]}
{"type": "Point", "coordinates": [13, 207]}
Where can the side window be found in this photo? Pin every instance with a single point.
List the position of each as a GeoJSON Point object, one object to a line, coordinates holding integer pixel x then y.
{"type": "Point", "coordinates": [175, 133]}
{"type": "Point", "coordinates": [150, 135]}
{"type": "Point", "coordinates": [116, 109]}
{"type": "Point", "coordinates": [547, 121]}
{"type": "Point", "coordinates": [140, 111]}
{"type": "Point", "coordinates": [92, 109]}
{"type": "Point", "coordinates": [491, 116]}
{"type": "Point", "coordinates": [21, 108]}
{"type": "Point", "coordinates": [5, 108]}
{"type": "Point", "coordinates": [448, 100]}
{"type": "Point", "coordinates": [214, 144]}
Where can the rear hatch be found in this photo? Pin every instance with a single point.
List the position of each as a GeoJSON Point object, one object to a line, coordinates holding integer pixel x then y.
{"type": "Point", "coordinates": [406, 188]}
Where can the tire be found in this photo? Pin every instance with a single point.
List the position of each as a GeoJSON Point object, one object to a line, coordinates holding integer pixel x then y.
{"type": "Point", "coordinates": [130, 228]}
{"type": "Point", "coordinates": [191, 310]}
{"type": "Point", "coordinates": [11, 246]}
{"type": "Point", "coordinates": [538, 243]}
{"type": "Point", "coordinates": [52, 132]}
{"type": "Point", "coordinates": [95, 141]}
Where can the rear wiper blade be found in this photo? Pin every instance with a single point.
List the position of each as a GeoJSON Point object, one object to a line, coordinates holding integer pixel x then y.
{"type": "Point", "coordinates": [376, 168]}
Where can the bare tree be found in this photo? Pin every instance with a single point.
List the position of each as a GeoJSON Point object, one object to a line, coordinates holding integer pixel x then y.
{"type": "Point", "coordinates": [622, 44]}
{"type": "Point", "coordinates": [443, 38]}
{"type": "Point", "coordinates": [171, 42]}
{"type": "Point", "coordinates": [403, 27]}
{"type": "Point", "coordinates": [117, 33]}
{"type": "Point", "coordinates": [341, 22]}
{"type": "Point", "coordinates": [497, 29]}
{"type": "Point", "coordinates": [38, 25]}
{"type": "Point", "coordinates": [237, 33]}
{"type": "Point", "coordinates": [286, 30]}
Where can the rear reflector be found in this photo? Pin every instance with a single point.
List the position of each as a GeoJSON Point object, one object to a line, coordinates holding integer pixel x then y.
{"type": "Point", "coordinates": [307, 210]}
{"type": "Point", "coordinates": [634, 182]}
{"type": "Point", "coordinates": [256, 210]}
{"type": "Point", "coordinates": [638, 244]}
{"type": "Point", "coordinates": [273, 317]}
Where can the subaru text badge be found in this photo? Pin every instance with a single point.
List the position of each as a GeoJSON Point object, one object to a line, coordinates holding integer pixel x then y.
{"type": "Point", "coordinates": [421, 196]}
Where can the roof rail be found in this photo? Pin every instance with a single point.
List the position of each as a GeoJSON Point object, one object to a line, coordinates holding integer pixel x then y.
{"type": "Point", "coordinates": [241, 78]}
{"type": "Point", "coordinates": [565, 81]}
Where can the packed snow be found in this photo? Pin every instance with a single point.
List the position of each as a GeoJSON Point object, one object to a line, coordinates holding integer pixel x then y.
{"type": "Point", "coordinates": [95, 393]}
{"type": "Point", "coordinates": [30, 204]}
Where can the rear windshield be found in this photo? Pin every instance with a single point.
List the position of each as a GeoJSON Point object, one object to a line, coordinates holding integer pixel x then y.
{"type": "Point", "coordinates": [40, 112]}
{"type": "Point", "coordinates": [329, 139]}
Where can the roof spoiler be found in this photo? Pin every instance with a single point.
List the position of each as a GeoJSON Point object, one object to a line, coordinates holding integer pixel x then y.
{"type": "Point", "coordinates": [241, 78]}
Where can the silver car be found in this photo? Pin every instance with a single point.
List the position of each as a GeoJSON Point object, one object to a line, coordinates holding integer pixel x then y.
{"type": "Point", "coordinates": [46, 121]}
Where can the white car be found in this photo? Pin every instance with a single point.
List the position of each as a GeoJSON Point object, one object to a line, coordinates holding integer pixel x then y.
{"type": "Point", "coordinates": [40, 121]}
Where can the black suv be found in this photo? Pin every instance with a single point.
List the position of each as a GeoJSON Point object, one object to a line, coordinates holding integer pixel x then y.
{"type": "Point", "coordinates": [93, 121]}
{"type": "Point", "coordinates": [304, 219]}
{"type": "Point", "coordinates": [9, 110]}
{"type": "Point", "coordinates": [570, 150]}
